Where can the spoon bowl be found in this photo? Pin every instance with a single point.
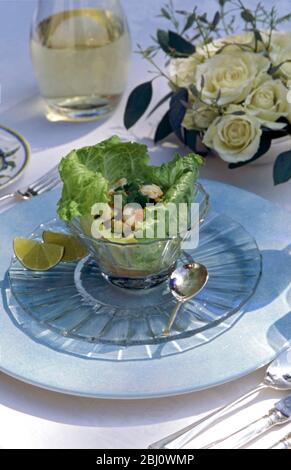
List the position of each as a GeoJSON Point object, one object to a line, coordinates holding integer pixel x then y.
{"type": "Point", "coordinates": [185, 282]}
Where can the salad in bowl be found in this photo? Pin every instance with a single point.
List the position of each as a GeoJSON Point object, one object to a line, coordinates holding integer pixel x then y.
{"type": "Point", "coordinates": [130, 215]}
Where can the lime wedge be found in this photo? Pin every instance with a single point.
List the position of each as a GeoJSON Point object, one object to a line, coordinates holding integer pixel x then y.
{"type": "Point", "coordinates": [36, 255]}
{"type": "Point", "coordinates": [73, 249]}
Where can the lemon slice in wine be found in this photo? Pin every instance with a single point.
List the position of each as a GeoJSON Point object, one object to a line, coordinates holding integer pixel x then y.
{"type": "Point", "coordinates": [35, 255]}
{"type": "Point", "coordinates": [73, 249]}
{"type": "Point", "coordinates": [80, 28]}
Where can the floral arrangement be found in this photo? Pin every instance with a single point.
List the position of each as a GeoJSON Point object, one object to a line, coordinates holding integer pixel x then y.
{"type": "Point", "coordinates": [231, 93]}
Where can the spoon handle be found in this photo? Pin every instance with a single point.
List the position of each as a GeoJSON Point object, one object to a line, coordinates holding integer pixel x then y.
{"type": "Point", "coordinates": [180, 438]}
{"type": "Point", "coordinates": [172, 318]}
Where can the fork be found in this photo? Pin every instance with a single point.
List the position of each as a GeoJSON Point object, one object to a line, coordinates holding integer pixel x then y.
{"type": "Point", "coordinates": [45, 183]}
{"type": "Point", "coordinates": [284, 443]}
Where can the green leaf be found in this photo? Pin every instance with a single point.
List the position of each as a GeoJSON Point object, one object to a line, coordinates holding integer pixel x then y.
{"type": "Point", "coordinates": [194, 90]}
{"type": "Point", "coordinates": [89, 172]}
{"type": "Point", "coordinates": [160, 102]}
{"type": "Point", "coordinates": [180, 44]}
{"type": "Point", "coordinates": [137, 103]}
{"type": "Point", "coordinates": [165, 14]}
{"type": "Point", "coordinates": [265, 145]}
{"type": "Point", "coordinates": [203, 18]}
{"type": "Point", "coordinates": [164, 128]}
{"type": "Point", "coordinates": [247, 16]}
{"type": "Point", "coordinates": [282, 168]}
{"type": "Point", "coordinates": [177, 108]}
{"type": "Point", "coordinates": [215, 21]}
{"type": "Point", "coordinates": [174, 44]}
{"type": "Point", "coordinates": [163, 40]}
{"type": "Point", "coordinates": [258, 35]}
{"type": "Point", "coordinates": [169, 173]}
{"type": "Point", "coordinates": [190, 139]}
{"type": "Point", "coordinates": [189, 23]}
{"type": "Point", "coordinates": [284, 18]}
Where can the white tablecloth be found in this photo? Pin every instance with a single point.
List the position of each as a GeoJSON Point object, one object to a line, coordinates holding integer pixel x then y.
{"type": "Point", "coordinates": [35, 418]}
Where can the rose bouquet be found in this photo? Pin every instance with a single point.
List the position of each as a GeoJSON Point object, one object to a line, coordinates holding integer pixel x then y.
{"type": "Point", "coordinates": [229, 94]}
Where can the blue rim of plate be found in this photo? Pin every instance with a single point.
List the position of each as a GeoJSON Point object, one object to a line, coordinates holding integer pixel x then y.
{"type": "Point", "coordinates": [251, 343]}
{"type": "Point", "coordinates": [26, 148]}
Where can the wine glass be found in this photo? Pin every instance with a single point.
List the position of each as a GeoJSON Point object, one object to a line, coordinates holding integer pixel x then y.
{"type": "Point", "coordinates": [80, 51]}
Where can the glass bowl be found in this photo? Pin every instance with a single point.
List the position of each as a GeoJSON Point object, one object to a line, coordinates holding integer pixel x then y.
{"type": "Point", "coordinates": [142, 264]}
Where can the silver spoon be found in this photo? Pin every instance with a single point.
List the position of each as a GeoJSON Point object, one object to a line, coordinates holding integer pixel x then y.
{"type": "Point", "coordinates": [185, 282]}
{"type": "Point", "coordinates": [278, 376]}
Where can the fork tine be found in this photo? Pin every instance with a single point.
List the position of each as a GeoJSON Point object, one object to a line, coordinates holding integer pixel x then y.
{"type": "Point", "coordinates": [45, 183]}
{"type": "Point", "coordinates": [43, 178]}
{"type": "Point", "coordinates": [52, 184]}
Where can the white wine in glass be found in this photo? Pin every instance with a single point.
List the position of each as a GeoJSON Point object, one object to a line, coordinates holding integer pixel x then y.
{"type": "Point", "coordinates": [80, 54]}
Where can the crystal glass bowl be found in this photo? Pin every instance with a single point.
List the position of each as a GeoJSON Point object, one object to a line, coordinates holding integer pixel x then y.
{"type": "Point", "coordinates": [142, 264]}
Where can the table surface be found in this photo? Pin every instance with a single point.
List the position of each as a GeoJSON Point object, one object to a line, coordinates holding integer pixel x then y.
{"type": "Point", "coordinates": [53, 420]}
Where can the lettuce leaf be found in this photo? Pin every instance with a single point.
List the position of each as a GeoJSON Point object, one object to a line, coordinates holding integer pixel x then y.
{"type": "Point", "coordinates": [115, 159]}
{"type": "Point", "coordinates": [169, 173]}
{"type": "Point", "coordinates": [81, 189]}
{"type": "Point", "coordinates": [88, 174]}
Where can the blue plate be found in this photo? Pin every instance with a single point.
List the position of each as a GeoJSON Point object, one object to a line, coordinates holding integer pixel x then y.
{"type": "Point", "coordinates": [14, 156]}
{"type": "Point", "coordinates": [252, 341]}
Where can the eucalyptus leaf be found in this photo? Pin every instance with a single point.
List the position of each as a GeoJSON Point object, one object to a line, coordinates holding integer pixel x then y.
{"type": "Point", "coordinates": [163, 40]}
{"type": "Point", "coordinates": [174, 44]}
{"type": "Point", "coordinates": [190, 21]}
{"type": "Point", "coordinates": [190, 139]}
{"type": "Point", "coordinates": [165, 14]}
{"type": "Point", "coordinates": [203, 18]}
{"type": "Point", "coordinates": [137, 103]}
{"type": "Point", "coordinates": [282, 168]}
{"type": "Point", "coordinates": [258, 35]}
{"type": "Point", "coordinates": [164, 128]}
{"type": "Point", "coordinates": [215, 21]}
{"type": "Point", "coordinates": [177, 108]}
{"type": "Point", "coordinates": [247, 16]}
{"type": "Point", "coordinates": [194, 90]}
{"type": "Point", "coordinates": [160, 102]}
{"type": "Point", "coordinates": [180, 44]}
{"type": "Point", "coordinates": [284, 18]}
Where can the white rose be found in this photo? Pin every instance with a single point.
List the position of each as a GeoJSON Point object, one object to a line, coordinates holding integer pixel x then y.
{"type": "Point", "coordinates": [269, 102]}
{"type": "Point", "coordinates": [182, 72]}
{"type": "Point", "coordinates": [230, 76]}
{"type": "Point", "coordinates": [281, 53]}
{"type": "Point", "coordinates": [244, 41]}
{"type": "Point", "coordinates": [199, 117]}
{"type": "Point", "coordinates": [280, 40]}
{"type": "Point", "coordinates": [234, 138]}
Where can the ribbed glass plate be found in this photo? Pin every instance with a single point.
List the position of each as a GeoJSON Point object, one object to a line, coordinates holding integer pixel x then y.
{"type": "Point", "coordinates": [71, 308]}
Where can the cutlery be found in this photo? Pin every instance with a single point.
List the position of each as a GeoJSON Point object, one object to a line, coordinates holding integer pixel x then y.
{"type": "Point", "coordinates": [185, 282]}
{"type": "Point", "coordinates": [284, 443]}
{"type": "Point", "coordinates": [41, 185]}
{"type": "Point", "coordinates": [278, 376]}
{"type": "Point", "coordinates": [279, 414]}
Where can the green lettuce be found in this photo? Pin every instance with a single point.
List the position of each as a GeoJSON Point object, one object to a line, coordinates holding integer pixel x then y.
{"type": "Point", "coordinates": [88, 174]}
